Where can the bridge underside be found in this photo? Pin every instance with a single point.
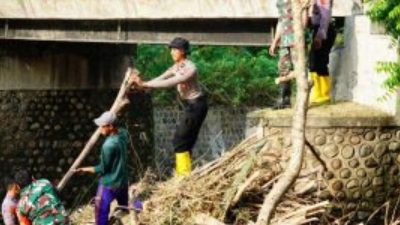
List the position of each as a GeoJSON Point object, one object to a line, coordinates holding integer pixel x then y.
{"type": "Point", "coordinates": [211, 22]}
{"type": "Point", "coordinates": [246, 32]}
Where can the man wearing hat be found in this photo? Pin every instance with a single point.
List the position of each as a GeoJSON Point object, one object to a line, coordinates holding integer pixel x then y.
{"type": "Point", "coordinates": [183, 74]}
{"type": "Point", "coordinates": [112, 167]}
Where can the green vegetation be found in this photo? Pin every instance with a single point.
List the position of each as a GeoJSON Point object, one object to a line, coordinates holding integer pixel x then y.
{"type": "Point", "coordinates": [231, 75]}
{"type": "Point", "coordinates": [387, 13]}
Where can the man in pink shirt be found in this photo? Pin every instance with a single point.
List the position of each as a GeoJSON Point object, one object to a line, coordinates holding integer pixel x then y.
{"type": "Point", "coordinates": [9, 205]}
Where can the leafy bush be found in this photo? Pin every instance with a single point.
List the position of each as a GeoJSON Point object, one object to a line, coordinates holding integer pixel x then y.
{"type": "Point", "coordinates": [231, 75]}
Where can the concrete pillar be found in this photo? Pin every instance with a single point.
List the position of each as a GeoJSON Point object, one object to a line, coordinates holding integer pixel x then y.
{"type": "Point", "coordinates": [355, 77]}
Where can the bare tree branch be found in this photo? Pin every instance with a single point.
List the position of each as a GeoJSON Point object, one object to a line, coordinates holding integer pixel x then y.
{"type": "Point", "coordinates": [299, 120]}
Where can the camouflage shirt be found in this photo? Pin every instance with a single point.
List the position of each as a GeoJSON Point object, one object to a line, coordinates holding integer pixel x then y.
{"type": "Point", "coordinates": [285, 22]}
{"type": "Point", "coordinates": [41, 205]}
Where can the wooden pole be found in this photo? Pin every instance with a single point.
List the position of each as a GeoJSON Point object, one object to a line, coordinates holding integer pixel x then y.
{"type": "Point", "coordinates": [120, 102]}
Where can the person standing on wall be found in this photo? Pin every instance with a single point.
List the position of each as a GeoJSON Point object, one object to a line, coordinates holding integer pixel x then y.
{"type": "Point", "coordinates": [182, 74]}
{"type": "Point", "coordinates": [324, 35]}
{"type": "Point", "coordinates": [284, 40]}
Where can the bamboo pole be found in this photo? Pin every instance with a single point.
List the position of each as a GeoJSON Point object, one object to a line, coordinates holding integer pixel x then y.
{"type": "Point", "coordinates": [120, 102]}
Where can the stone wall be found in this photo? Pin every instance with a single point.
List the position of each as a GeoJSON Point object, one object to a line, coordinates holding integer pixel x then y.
{"type": "Point", "coordinates": [222, 128]}
{"type": "Point", "coordinates": [363, 164]}
{"type": "Point", "coordinates": [360, 147]}
{"type": "Point", "coordinates": [45, 131]}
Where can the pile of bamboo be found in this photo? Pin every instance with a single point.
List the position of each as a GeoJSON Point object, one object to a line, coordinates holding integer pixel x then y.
{"type": "Point", "coordinates": [229, 190]}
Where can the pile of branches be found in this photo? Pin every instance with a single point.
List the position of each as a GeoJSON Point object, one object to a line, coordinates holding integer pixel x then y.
{"type": "Point", "coordinates": [229, 190]}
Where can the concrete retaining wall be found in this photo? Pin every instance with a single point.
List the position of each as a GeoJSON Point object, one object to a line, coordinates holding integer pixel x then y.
{"type": "Point", "coordinates": [360, 147]}
{"type": "Point", "coordinates": [363, 165]}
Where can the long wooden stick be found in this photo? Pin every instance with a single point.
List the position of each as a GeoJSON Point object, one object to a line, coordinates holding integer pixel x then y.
{"type": "Point", "coordinates": [120, 101]}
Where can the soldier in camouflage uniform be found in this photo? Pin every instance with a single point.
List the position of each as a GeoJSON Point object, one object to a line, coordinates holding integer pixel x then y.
{"type": "Point", "coordinates": [284, 38]}
{"type": "Point", "coordinates": [39, 203]}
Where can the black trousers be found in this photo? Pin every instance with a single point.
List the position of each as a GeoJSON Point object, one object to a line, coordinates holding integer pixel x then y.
{"type": "Point", "coordinates": [319, 58]}
{"type": "Point", "coordinates": [195, 111]}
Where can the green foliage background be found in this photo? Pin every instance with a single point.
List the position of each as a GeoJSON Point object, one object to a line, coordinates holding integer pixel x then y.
{"type": "Point", "coordinates": [231, 75]}
{"type": "Point", "coordinates": [387, 13]}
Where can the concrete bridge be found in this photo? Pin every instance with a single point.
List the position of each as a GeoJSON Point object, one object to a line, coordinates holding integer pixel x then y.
{"type": "Point", "coordinates": [212, 22]}
{"type": "Point", "coordinates": [79, 44]}
{"type": "Point", "coordinates": [75, 44]}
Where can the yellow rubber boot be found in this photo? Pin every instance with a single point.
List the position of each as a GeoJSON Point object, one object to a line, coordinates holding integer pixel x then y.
{"type": "Point", "coordinates": [315, 90]}
{"type": "Point", "coordinates": [325, 88]}
{"type": "Point", "coordinates": [183, 164]}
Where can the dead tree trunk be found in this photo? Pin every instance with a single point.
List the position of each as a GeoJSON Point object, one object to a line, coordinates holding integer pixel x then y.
{"type": "Point", "coordinates": [299, 120]}
{"type": "Point", "coordinates": [120, 101]}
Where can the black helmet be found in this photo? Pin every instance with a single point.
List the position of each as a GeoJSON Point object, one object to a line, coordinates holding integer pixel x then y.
{"type": "Point", "coordinates": [180, 43]}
